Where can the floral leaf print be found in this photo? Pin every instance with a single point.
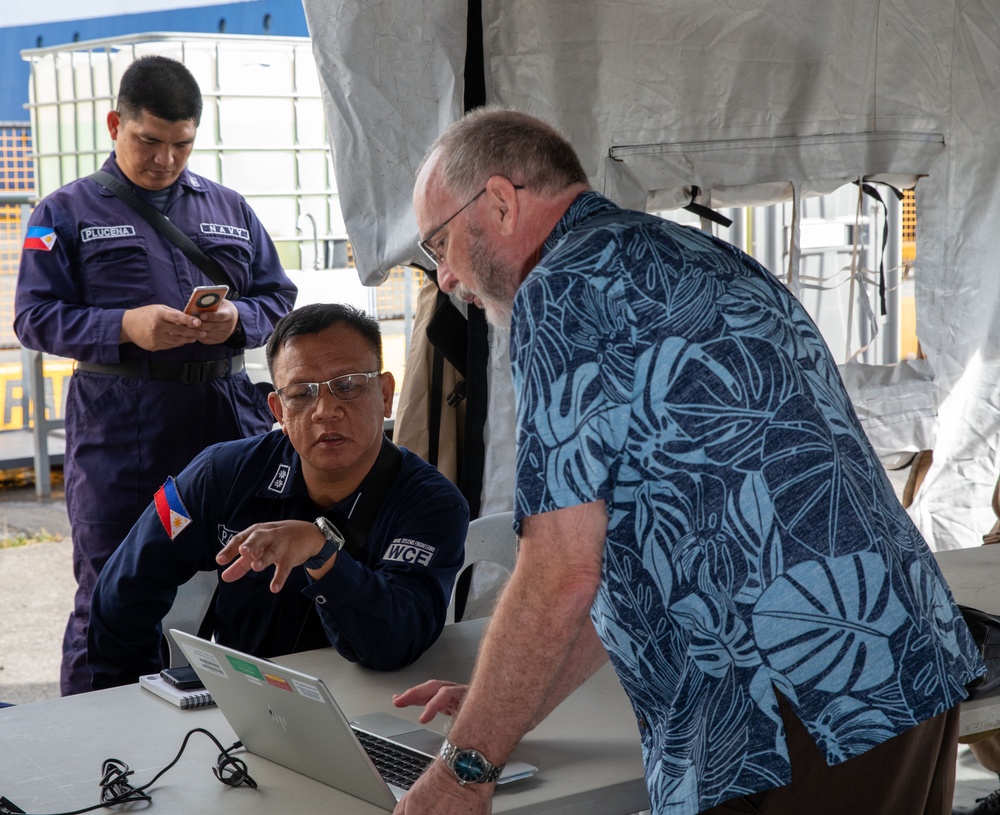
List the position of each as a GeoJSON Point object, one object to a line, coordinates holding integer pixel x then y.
{"type": "Point", "coordinates": [708, 404]}
{"type": "Point", "coordinates": [655, 555]}
{"type": "Point", "coordinates": [836, 634]}
{"type": "Point", "coordinates": [847, 721]}
{"type": "Point", "coordinates": [574, 426]}
{"type": "Point", "coordinates": [719, 640]}
{"type": "Point", "coordinates": [817, 504]}
{"type": "Point", "coordinates": [751, 519]}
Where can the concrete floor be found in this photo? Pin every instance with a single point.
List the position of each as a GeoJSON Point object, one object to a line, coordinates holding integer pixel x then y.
{"type": "Point", "coordinates": [36, 595]}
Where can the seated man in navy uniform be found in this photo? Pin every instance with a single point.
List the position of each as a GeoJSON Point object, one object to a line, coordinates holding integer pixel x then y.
{"type": "Point", "coordinates": [272, 515]}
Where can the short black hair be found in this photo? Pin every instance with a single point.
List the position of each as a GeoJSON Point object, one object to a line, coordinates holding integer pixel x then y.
{"type": "Point", "coordinates": [162, 87]}
{"type": "Point", "coordinates": [318, 317]}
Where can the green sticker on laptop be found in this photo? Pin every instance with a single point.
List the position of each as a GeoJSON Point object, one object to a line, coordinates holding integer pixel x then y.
{"type": "Point", "coordinates": [245, 667]}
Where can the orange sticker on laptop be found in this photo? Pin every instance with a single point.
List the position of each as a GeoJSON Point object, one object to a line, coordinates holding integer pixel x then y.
{"type": "Point", "coordinates": [278, 682]}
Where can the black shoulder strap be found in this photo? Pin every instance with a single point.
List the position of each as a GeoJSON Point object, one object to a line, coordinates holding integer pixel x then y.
{"type": "Point", "coordinates": [162, 224]}
{"type": "Point", "coordinates": [359, 523]}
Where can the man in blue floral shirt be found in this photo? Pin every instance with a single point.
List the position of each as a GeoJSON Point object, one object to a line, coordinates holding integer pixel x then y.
{"type": "Point", "coordinates": [697, 500]}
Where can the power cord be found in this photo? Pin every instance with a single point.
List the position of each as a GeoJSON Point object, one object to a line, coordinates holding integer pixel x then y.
{"type": "Point", "coordinates": [116, 789]}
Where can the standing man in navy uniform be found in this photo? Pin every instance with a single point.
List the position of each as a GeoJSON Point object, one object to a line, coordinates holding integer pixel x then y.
{"type": "Point", "coordinates": [153, 386]}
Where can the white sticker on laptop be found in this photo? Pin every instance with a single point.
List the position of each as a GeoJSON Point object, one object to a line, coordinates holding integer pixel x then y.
{"type": "Point", "coordinates": [207, 660]}
{"type": "Point", "coordinates": [307, 690]}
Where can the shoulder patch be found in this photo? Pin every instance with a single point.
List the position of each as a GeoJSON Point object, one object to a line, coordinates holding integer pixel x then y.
{"type": "Point", "coordinates": [40, 237]}
{"type": "Point", "coordinates": [173, 514]}
{"type": "Point", "coordinates": [407, 550]}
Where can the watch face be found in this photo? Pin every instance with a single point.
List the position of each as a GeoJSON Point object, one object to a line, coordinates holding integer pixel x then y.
{"type": "Point", "coordinates": [328, 529]}
{"type": "Point", "coordinates": [469, 766]}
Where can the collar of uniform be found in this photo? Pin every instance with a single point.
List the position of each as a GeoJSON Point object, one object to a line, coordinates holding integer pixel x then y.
{"type": "Point", "coordinates": [281, 473]}
{"type": "Point", "coordinates": [282, 478]}
{"type": "Point", "coordinates": [111, 166]}
{"type": "Point", "coordinates": [190, 181]}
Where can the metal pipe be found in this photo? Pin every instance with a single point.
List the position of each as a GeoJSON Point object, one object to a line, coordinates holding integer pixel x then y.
{"type": "Point", "coordinates": [13, 198]}
{"type": "Point", "coordinates": [316, 259]}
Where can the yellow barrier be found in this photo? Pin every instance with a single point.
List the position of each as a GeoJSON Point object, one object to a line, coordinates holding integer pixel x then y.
{"type": "Point", "coordinates": [58, 371]}
{"type": "Point", "coordinates": [56, 374]}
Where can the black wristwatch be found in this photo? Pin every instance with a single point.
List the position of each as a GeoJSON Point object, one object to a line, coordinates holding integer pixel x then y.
{"type": "Point", "coordinates": [469, 766]}
{"type": "Point", "coordinates": [334, 543]}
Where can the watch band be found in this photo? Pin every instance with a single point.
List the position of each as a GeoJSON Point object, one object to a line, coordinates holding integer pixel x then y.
{"type": "Point", "coordinates": [334, 543]}
{"type": "Point", "coordinates": [469, 766]}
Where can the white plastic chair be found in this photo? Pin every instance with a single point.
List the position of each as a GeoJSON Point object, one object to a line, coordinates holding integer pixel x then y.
{"type": "Point", "coordinates": [490, 551]}
{"type": "Point", "coordinates": [189, 609]}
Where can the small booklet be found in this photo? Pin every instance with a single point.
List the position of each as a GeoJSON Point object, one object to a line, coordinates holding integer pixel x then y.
{"type": "Point", "coordinates": [184, 699]}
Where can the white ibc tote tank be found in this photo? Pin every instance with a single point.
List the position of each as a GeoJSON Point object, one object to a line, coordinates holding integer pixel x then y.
{"type": "Point", "coordinates": [262, 133]}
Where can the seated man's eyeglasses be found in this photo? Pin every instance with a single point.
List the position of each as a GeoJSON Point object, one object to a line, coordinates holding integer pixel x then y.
{"type": "Point", "coordinates": [346, 388]}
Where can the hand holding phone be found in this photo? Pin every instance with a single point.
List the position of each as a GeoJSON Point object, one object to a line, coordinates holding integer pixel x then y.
{"type": "Point", "coordinates": [205, 298]}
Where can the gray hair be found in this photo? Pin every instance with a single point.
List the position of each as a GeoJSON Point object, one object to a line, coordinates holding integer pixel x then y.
{"type": "Point", "coordinates": [492, 141]}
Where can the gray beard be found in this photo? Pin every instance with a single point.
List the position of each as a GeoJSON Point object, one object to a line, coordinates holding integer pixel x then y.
{"type": "Point", "coordinates": [497, 284]}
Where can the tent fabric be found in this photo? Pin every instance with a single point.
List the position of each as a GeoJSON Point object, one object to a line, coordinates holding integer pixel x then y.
{"type": "Point", "coordinates": [752, 101]}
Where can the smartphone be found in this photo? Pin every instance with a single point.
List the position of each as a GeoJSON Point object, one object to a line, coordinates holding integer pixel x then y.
{"type": "Point", "coordinates": [183, 678]}
{"type": "Point", "coordinates": [205, 298]}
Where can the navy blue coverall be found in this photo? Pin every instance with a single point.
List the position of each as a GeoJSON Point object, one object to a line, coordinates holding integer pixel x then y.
{"type": "Point", "coordinates": [124, 434]}
{"type": "Point", "coordinates": [382, 610]}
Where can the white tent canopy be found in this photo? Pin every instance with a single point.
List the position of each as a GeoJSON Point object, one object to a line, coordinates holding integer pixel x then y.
{"type": "Point", "coordinates": [752, 102]}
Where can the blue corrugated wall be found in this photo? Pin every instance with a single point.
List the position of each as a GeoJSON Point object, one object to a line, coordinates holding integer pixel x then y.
{"type": "Point", "coordinates": [283, 18]}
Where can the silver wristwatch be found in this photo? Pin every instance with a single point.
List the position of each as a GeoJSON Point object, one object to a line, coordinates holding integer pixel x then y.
{"type": "Point", "coordinates": [469, 766]}
{"type": "Point", "coordinates": [334, 543]}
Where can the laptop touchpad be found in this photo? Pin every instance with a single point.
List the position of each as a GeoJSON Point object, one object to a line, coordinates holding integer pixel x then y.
{"type": "Point", "coordinates": [415, 736]}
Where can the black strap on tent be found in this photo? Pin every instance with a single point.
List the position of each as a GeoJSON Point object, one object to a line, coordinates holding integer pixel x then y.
{"type": "Point", "coordinates": [706, 212]}
{"type": "Point", "coordinates": [447, 332]}
{"type": "Point", "coordinates": [162, 224]}
{"type": "Point", "coordinates": [434, 414]}
{"type": "Point", "coordinates": [870, 191]}
{"type": "Point", "coordinates": [474, 445]}
{"type": "Point", "coordinates": [475, 70]}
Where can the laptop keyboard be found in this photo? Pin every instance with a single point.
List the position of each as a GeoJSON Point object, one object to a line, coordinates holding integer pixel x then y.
{"type": "Point", "coordinates": [397, 765]}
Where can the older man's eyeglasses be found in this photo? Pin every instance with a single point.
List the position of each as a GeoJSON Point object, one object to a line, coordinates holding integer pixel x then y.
{"type": "Point", "coordinates": [435, 255]}
{"type": "Point", "coordinates": [346, 388]}
{"type": "Point", "coordinates": [425, 245]}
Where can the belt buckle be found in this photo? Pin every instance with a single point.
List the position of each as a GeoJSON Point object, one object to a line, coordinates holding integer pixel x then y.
{"type": "Point", "coordinates": [195, 373]}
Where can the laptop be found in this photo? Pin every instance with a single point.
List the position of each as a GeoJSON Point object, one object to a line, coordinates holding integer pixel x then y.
{"type": "Point", "coordinates": [292, 719]}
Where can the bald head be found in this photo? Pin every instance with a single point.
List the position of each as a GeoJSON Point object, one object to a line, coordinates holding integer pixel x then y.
{"type": "Point", "coordinates": [492, 141]}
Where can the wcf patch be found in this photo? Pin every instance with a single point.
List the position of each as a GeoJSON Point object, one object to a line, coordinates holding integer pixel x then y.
{"type": "Point", "coordinates": [404, 550]}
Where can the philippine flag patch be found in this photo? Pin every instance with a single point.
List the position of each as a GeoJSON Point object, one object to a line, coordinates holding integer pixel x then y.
{"type": "Point", "coordinates": [173, 514]}
{"type": "Point", "coordinates": [40, 237]}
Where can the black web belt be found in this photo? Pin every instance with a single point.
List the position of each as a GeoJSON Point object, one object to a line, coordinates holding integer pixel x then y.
{"type": "Point", "coordinates": [189, 373]}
